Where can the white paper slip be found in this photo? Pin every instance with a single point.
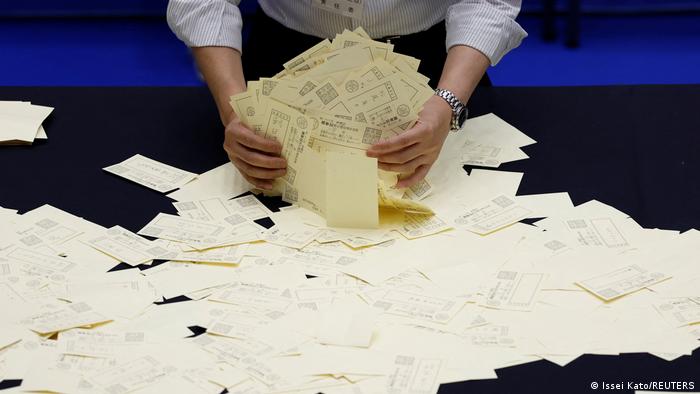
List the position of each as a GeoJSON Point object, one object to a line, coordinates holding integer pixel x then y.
{"type": "Point", "coordinates": [491, 215]}
{"type": "Point", "coordinates": [489, 335]}
{"type": "Point", "coordinates": [597, 232]}
{"type": "Point", "coordinates": [680, 312]}
{"type": "Point", "coordinates": [512, 290]}
{"type": "Point", "coordinates": [621, 281]}
{"type": "Point", "coordinates": [491, 130]}
{"type": "Point", "coordinates": [130, 376]}
{"type": "Point", "coordinates": [428, 307]}
{"type": "Point", "coordinates": [255, 295]}
{"type": "Point", "coordinates": [236, 322]}
{"type": "Point", "coordinates": [91, 343]}
{"type": "Point", "coordinates": [414, 375]}
{"type": "Point", "coordinates": [223, 255]}
{"type": "Point", "coordinates": [20, 121]}
{"type": "Point", "coordinates": [195, 233]}
{"type": "Point", "coordinates": [416, 225]}
{"type": "Point", "coordinates": [296, 238]}
{"type": "Point", "coordinates": [223, 181]}
{"type": "Point", "coordinates": [248, 206]}
{"type": "Point", "coordinates": [54, 318]}
{"type": "Point", "coordinates": [490, 155]}
{"type": "Point", "coordinates": [215, 208]}
{"type": "Point", "coordinates": [128, 247]}
{"type": "Point", "coordinates": [150, 173]}
{"type": "Point", "coordinates": [31, 262]}
{"type": "Point", "coordinates": [546, 205]}
{"type": "Point", "coordinates": [347, 322]}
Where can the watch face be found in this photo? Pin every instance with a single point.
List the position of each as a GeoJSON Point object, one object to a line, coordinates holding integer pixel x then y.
{"type": "Point", "coordinates": [462, 117]}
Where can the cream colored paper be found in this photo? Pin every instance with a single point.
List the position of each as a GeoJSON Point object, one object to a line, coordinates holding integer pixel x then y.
{"type": "Point", "coordinates": [351, 191]}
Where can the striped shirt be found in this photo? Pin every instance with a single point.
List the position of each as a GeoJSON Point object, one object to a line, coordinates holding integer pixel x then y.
{"type": "Point", "coordinates": [486, 25]}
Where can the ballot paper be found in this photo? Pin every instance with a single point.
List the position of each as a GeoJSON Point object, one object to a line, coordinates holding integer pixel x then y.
{"type": "Point", "coordinates": [88, 343]}
{"type": "Point", "coordinates": [680, 312]}
{"type": "Point", "coordinates": [215, 208]}
{"type": "Point", "coordinates": [414, 374]}
{"type": "Point", "coordinates": [196, 233]}
{"type": "Point", "coordinates": [127, 247]}
{"type": "Point", "coordinates": [55, 318]}
{"type": "Point", "coordinates": [492, 215]}
{"type": "Point", "coordinates": [490, 142]}
{"type": "Point", "coordinates": [223, 181]}
{"type": "Point", "coordinates": [150, 173]}
{"type": "Point", "coordinates": [429, 307]}
{"type": "Point", "coordinates": [34, 263]}
{"type": "Point", "coordinates": [129, 376]}
{"type": "Point", "coordinates": [622, 281]}
{"type": "Point", "coordinates": [347, 322]}
{"type": "Point", "coordinates": [351, 191]}
{"type": "Point", "coordinates": [512, 290]}
{"type": "Point", "coordinates": [20, 122]}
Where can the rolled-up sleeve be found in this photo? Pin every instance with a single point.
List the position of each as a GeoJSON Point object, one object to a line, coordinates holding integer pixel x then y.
{"type": "Point", "coordinates": [486, 25]}
{"type": "Point", "coordinates": [201, 23]}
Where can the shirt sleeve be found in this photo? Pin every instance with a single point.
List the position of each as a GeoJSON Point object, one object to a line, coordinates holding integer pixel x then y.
{"type": "Point", "coordinates": [201, 23]}
{"type": "Point", "coordinates": [486, 25]}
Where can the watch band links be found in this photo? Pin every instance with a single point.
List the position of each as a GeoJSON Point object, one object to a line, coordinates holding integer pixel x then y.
{"type": "Point", "coordinates": [454, 103]}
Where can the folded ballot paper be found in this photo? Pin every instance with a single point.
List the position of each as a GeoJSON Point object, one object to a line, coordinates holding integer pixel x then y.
{"type": "Point", "coordinates": [20, 122]}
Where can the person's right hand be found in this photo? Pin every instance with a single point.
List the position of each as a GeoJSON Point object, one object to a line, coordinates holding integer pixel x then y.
{"type": "Point", "coordinates": [257, 158]}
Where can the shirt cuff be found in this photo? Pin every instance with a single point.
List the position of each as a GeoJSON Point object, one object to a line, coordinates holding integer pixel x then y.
{"type": "Point", "coordinates": [483, 27]}
{"type": "Point", "coordinates": [206, 23]}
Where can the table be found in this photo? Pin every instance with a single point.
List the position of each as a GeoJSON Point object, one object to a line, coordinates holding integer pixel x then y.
{"type": "Point", "coordinates": [634, 147]}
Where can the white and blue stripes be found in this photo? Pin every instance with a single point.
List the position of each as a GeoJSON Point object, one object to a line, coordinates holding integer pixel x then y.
{"type": "Point", "coordinates": [486, 25]}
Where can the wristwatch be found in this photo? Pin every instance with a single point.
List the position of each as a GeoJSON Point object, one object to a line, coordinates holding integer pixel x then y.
{"type": "Point", "coordinates": [459, 109]}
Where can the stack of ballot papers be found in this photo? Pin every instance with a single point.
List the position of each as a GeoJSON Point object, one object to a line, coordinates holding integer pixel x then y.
{"type": "Point", "coordinates": [20, 122]}
{"type": "Point", "coordinates": [304, 306]}
{"type": "Point", "coordinates": [326, 107]}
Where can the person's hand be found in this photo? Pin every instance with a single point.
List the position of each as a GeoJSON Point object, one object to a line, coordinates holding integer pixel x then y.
{"type": "Point", "coordinates": [413, 152]}
{"type": "Point", "coordinates": [257, 158]}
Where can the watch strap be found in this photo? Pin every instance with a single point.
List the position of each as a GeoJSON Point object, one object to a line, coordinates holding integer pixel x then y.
{"type": "Point", "coordinates": [454, 103]}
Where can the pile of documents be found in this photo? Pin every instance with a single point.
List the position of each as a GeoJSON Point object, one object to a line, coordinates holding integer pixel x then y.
{"type": "Point", "coordinates": [305, 307]}
{"type": "Point", "coordinates": [20, 122]}
{"type": "Point", "coordinates": [326, 107]}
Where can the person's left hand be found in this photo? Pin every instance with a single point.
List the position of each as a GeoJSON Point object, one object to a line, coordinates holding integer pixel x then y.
{"type": "Point", "coordinates": [413, 152]}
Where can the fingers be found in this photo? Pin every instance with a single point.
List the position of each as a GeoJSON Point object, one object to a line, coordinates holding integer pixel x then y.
{"type": "Point", "coordinates": [257, 159]}
{"type": "Point", "coordinates": [258, 172]}
{"type": "Point", "coordinates": [403, 156]}
{"type": "Point", "coordinates": [407, 168]}
{"type": "Point", "coordinates": [414, 178]}
{"type": "Point", "coordinates": [264, 184]}
{"type": "Point", "coordinates": [246, 137]}
{"type": "Point", "coordinates": [398, 142]}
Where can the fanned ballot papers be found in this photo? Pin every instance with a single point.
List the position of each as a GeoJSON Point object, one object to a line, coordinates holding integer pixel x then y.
{"type": "Point", "coordinates": [355, 288]}
{"type": "Point", "coordinates": [21, 122]}
{"type": "Point", "coordinates": [338, 98]}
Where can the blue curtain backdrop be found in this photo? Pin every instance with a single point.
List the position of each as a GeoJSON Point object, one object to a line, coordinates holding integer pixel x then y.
{"type": "Point", "coordinates": [157, 7]}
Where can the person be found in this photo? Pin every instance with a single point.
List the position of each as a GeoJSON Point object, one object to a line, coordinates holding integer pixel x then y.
{"type": "Point", "coordinates": [476, 33]}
